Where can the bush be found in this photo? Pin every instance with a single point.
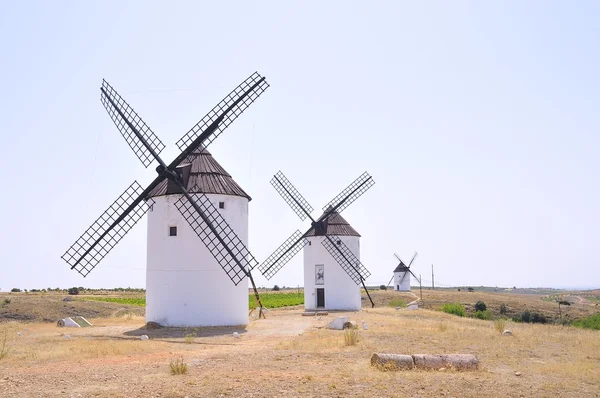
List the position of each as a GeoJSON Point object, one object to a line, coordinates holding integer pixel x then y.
{"type": "Point", "coordinates": [73, 291]}
{"type": "Point", "coordinates": [591, 322]}
{"type": "Point", "coordinates": [7, 301]}
{"type": "Point", "coordinates": [382, 287]}
{"type": "Point", "coordinates": [470, 289]}
{"type": "Point", "coordinates": [503, 309]}
{"type": "Point", "coordinates": [530, 317]}
{"type": "Point", "coordinates": [15, 290]}
{"type": "Point", "coordinates": [178, 367]}
{"type": "Point", "coordinates": [486, 315]}
{"type": "Point", "coordinates": [454, 308]}
{"type": "Point", "coordinates": [276, 288]}
{"type": "Point", "coordinates": [397, 302]}
{"type": "Point", "coordinates": [480, 306]}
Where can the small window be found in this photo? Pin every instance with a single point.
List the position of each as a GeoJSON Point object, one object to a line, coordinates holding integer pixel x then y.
{"type": "Point", "coordinates": [221, 205]}
{"type": "Point", "coordinates": [339, 242]}
{"type": "Point", "coordinates": [309, 243]}
{"type": "Point", "coordinates": [172, 231]}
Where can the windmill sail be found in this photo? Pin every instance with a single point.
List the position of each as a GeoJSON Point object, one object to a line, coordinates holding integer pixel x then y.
{"type": "Point", "coordinates": [350, 194]}
{"type": "Point", "coordinates": [283, 254]}
{"type": "Point", "coordinates": [108, 230]}
{"type": "Point", "coordinates": [218, 237]}
{"type": "Point", "coordinates": [130, 125]}
{"type": "Point", "coordinates": [292, 197]}
{"type": "Point", "coordinates": [345, 258]}
{"type": "Point", "coordinates": [225, 112]}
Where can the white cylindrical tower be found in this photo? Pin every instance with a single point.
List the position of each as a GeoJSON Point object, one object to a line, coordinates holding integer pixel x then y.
{"type": "Point", "coordinates": [326, 285]}
{"type": "Point", "coordinates": [402, 278]}
{"type": "Point", "coordinates": [185, 285]}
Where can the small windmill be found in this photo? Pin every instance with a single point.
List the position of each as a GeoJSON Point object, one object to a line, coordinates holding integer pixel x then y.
{"type": "Point", "coordinates": [193, 204]}
{"type": "Point", "coordinates": [402, 274]}
{"type": "Point", "coordinates": [330, 228]}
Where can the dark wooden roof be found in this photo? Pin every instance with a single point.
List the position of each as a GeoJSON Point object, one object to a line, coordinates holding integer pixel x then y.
{"type": "Point", "coordinates": [338, 226]}
{"type": "Point", "coordinates": [401, 267]}
{"type": "Point", "coordinates": [205, 175]}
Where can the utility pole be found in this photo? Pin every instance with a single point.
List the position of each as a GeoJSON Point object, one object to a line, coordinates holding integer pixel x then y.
{"type": "Point", "coordinates": [420, 287]}
{"type": "Point", "coordinates": [432, 280]}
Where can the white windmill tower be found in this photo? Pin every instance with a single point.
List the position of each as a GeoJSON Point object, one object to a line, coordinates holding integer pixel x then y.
{"type": "Point", "coordinates": [333, 272]}
{"type": "Point", "coordinates": [190, 282]}
{"type": "Point", "coordinates": [402, 274]}
{"type": "Point", "coordinates": [183, 277]}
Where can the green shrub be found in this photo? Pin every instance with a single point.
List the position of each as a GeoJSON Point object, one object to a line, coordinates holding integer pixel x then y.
{"type": "Point", "coordinates": [15, 290]}
{"type": "Point", "coordinates": [480, 306]}
{"type": "Point", "coordinates": [276, 288]}
{"type": "Point", "coordinates": [7, 301]}
{"type": "Point", "coordinates": [397, 302]}
{"type": "Point", "coordinates": [382, 287]}
{"type": "Point", "coordinates": [503, 309]}
{"type": "Point", "coordinates": [454, 308]}
{"type": "Point", "coordinates": [73, 291]}
{"type": "Point", "coordinates": [486, 315]}
{"type": "Point", "coordinates": [591, 322]}
{"type": "Point", "coordinates": [530, 317]}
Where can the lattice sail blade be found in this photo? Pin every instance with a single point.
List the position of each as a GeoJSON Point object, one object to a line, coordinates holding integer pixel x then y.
{"type": "Point", "coordinates": [351, 193]}
{"type": "Point", "coordinates": [413, 259]}
{"type": "Point", "coordinates": [127, 121]}
{"type": "Point", "coordinates": [218, 237]}
{"type": "Point", "coordinates": [226, 111]}
{"type": "Point", "coordinates": [290, 194]}
{"type": "Point", "coordinates": [398, 257]}
{"type": "Point", "coordinates": [282, 255]}
{"type": "Point", "coordinates": [345, 258]}
{"type": "Point", "coordinates": [99, 239]}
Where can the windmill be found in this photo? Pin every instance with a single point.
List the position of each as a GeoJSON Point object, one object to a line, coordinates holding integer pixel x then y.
{"type": "Point", "coordinates": [222, 244]}
{"type": "Point", "coordinates": [402, 274]}
{"type": "Point", "coordinates": [336, 236]}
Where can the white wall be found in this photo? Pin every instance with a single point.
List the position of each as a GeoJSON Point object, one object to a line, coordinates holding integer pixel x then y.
{"type": "Point", "coordinates": [185, 286]}
{"type": "Point", "coordinates": [341, 293]}
{"type": "Point", "coordinates": [405, 285]}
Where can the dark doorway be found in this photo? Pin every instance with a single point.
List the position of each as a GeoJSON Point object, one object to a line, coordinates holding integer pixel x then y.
{"type": "Point", "coordinates": [320, 298]}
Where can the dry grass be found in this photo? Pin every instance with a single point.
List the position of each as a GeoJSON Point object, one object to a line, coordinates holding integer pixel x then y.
{"type": "Point", "coordinates": [350, 336]}
{"type": "Point", "coordinates": [3, 346]}
{"type": "Point", "coordinates": [500, 325]}
{"type": "Point", "coordinates": [178, 367]}
{"type": "Point", "coordinates": [291, 355]}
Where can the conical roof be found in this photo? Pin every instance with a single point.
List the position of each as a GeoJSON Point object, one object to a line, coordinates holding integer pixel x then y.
{"type": "Point", "coordinates": [401, 267]}
{"type": "Point", "coordinates": [337, 225]}
{"type": "Point", "coordinates": [205, 175]}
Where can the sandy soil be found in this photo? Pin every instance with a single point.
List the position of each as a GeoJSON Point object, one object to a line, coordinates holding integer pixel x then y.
{"type": "Point", "coordinates": [291, 355]}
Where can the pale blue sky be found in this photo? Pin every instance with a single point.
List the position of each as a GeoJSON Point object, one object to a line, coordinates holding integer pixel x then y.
{"type": "Point", "coordinates": [478, 121]}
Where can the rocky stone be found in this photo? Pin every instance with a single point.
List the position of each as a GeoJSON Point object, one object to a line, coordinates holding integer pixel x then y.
{"type": "Point", "coordinates": [507, 333]}
{"type": "Point", "coordinates": [153, 325]}
{"type": "Point", "coordinates": [350, 325]}
{"type": "Point", "coordinates": [338, 323]}
{"type": "Point", "coordinates": [143, 337]}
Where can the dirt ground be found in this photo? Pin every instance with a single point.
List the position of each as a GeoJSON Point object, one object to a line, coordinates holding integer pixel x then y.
{"type": "Point", "coordinates": [291, 355]}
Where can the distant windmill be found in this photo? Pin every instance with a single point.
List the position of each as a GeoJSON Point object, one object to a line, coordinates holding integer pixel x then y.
{"type": "Point", "coordinates": [337, 237]}
{"type": "Point", "coordinates": [402, 274]}
{"type": "Point", "coordinates": [183, 277]}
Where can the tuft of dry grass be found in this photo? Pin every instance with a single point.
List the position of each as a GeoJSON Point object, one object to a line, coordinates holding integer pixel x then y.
{"type": "Point", "coordinates": [178, 367]}
{"type": "Point", "coordinates": [350, 336]}
{"type": "Point", "coordinates": [3, 346]}
{"type": "Point", "coordinates": [442, 326]}
{"type": "Point", "coordinates": [500, 325]}
{"type": "Point", "coordinates": [189, 337]}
